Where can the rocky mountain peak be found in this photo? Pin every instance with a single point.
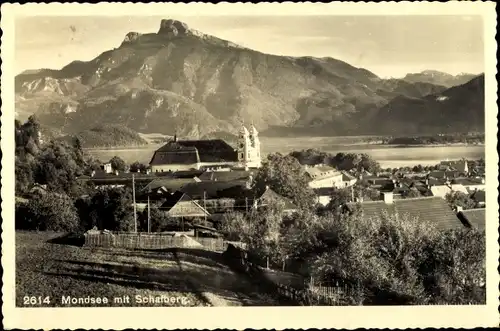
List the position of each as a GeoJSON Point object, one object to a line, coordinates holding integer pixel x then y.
{"type": "Point", "coordinates": [174, 28]}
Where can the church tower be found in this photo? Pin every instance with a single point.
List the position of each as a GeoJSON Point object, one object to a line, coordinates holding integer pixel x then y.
{"type": "Point", "coordinates": [249, 148]}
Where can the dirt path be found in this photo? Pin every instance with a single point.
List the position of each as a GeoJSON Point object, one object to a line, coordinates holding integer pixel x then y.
{"type": "Point", "coordinates": [217, 283]}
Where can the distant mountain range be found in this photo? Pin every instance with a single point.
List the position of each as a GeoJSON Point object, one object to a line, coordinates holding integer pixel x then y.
{"type": "Point", "coordinates": [439, 78]}
{"type": "Point", "coordinates": [182, 81]}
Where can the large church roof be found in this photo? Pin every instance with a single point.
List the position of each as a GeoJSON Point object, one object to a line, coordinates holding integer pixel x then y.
{"type": "Point", "coordinates": [193, 151]}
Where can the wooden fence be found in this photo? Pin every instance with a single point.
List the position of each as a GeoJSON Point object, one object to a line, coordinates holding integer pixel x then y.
{"type": "Point", "coordinates": [152, 241]}
{"type": "Point", "coordinates": [293, 289]}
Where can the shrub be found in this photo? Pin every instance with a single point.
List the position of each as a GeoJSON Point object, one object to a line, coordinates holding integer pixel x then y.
{"type": "Point", "coordinates": [50, 211]}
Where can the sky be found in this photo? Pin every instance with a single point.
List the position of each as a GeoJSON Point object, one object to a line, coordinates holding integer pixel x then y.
{"type": "Point", "coordinates": [389, 46]}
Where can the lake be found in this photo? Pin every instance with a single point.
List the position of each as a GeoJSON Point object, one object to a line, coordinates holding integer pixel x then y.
{"type": "Point", "coordinates": [386, 155]}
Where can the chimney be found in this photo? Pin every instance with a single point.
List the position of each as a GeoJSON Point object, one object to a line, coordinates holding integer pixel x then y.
{"type": "Point", "coordinates": [388, 197]}
{"type": "Point", "coordinates": [267, 187]}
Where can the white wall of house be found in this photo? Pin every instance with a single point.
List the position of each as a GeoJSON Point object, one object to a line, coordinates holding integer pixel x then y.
{"type": "Point", "coordinates": [323, 199]}
{"type": "Point", "coordinates": [187, 167]}
{"type": "Point", "coordinates": [174, 167]}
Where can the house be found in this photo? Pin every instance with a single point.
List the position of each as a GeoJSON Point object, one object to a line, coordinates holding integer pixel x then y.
{"type": "Point", "coordinates": [443, 190]}
{"type": "Point", "coordinates": [269, 197]}
{"type": "Point", "coordinates": [180, 205]}
{"type": "Point", "coordinates": [473, 218]}
{"type": "Point", "coordinates": [461, 166]}
{"type": "Point", "coordinates": [432, 209]}
{"type": "Point", "coordinates": [440, 174]}
{"type": "Point", "coordinates": [347, 179]}
{"type": "Point", "coordinates": [324, 176]}
{"type": "Point", "coordinates": [471, 184]}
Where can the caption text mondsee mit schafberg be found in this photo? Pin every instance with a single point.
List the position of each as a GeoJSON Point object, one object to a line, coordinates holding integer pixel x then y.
{"type": "Point", "coordinates": [126, 299]}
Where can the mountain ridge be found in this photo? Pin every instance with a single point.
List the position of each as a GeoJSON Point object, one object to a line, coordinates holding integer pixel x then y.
{"type": "Point", "coordinates": [181, 80]}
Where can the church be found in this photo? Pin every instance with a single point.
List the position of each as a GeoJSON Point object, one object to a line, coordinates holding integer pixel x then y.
{"type": "Point", "coordinates": [185, 155]}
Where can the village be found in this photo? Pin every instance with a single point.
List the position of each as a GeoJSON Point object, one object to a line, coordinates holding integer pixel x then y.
{"type": "Point", "coordinates": [183, 181]}
{"type": "Point", "coordinates": [281, 222]}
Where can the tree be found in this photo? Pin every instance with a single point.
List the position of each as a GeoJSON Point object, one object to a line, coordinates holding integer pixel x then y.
{"type": "Point", "coordinates": [118, 164]}
{"type": "Point", "coordinates": [112, 209]}
{"type": "Point", "coordinates": [50, 211]}
{"type": "Point", "coordinates": [460, 199]}
{"type": "Point", "coordinates": [138, 167]}
{"type": "Point", "coordinates": [58, 165]}
{"type": "Point", "coordinates": [285, 176]}
{"type": "Point", "coordinates": [159, 221]}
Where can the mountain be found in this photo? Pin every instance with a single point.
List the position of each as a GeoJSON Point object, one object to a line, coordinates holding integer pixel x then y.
{"type": "Point", "coordinates": [182, 81]}
{"type": "Point", "coordinates": [439, 78]}
{"type": "Point", "coordinates": [458, 109]}
{"type": "Point", "coordinates": [107, 136]}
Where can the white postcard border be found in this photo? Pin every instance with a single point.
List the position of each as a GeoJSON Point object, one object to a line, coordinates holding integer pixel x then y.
{"type": "Point", "coordinates": [249, 317]}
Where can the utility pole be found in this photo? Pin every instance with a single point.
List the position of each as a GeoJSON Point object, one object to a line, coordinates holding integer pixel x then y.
{"type": "Point", "coordinates": [149, 216]}
{"type": "Point", "coordinates": [205, 207]}
{"type": "Point", "coordinates": [135, 207]}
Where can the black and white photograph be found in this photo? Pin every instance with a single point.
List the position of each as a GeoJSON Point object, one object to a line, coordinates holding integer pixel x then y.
{"type": "Point", "coordinates": [237, 159]}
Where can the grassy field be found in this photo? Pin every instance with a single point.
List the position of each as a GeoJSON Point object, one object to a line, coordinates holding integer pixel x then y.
{"type": "Point", "coordinates": [47, 266]}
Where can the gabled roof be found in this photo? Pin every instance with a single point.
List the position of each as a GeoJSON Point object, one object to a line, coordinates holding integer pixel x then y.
{"type": "Point", "coordinates": [225, 176]}
{"type": "Point", "coordinates": [193, 151]}
{"type": "Point", "coordinates": [347, 177]}
{"type": "Point", "coordinates": [432, 209]}
{"type": "Point", "coordinates": [171, 184]}
{"type": "Point", "coordinates": [181, 205]}
{"type": "Point", "coordinates": [212, 189]}
{"type": "Point", "coordinates": [269, 196]}
{"type": "Point", "coordinates": [320, 172]}
{"type": "Point", "coordinates": [475, 218]}
{"type": "Point", "coordinates": [175, 154]}
{"type": "Point", "coordinates": [444, 174]}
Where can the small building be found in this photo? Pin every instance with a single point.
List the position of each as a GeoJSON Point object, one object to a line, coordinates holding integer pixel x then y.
{"type": "Point", "coordinates": [460, 165]}
{"type": "Point", "coordinates": [269, 197]}
{"type": "Point", "coordinates": [180, 205]}
{"type": "Point", "coordinates": [348, 180]}
{"type": "Point", "coordinates": [324, 176]}
{"type": "Point", "coordinates": [442, 190]}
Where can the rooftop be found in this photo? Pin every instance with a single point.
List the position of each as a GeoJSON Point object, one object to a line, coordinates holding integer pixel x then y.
{"type": "Point", "coordinates": [321, 171]}
{"type": "Point", "coordinates": [269, 195]}
{"type": "Point", "coordinates": [432, 209]}
{"type": "Point", "coordinates": [475, 218]}
{"type": "Point", "coordinates": [225, 176]}
{"type": "Point", "coordinates": [194, 151]}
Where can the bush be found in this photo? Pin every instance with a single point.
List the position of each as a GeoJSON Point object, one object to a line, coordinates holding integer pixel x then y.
{"type": "Point", "coordinates": [392, 260]}
{"type": "Point", "coordinates": [50, 211]}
